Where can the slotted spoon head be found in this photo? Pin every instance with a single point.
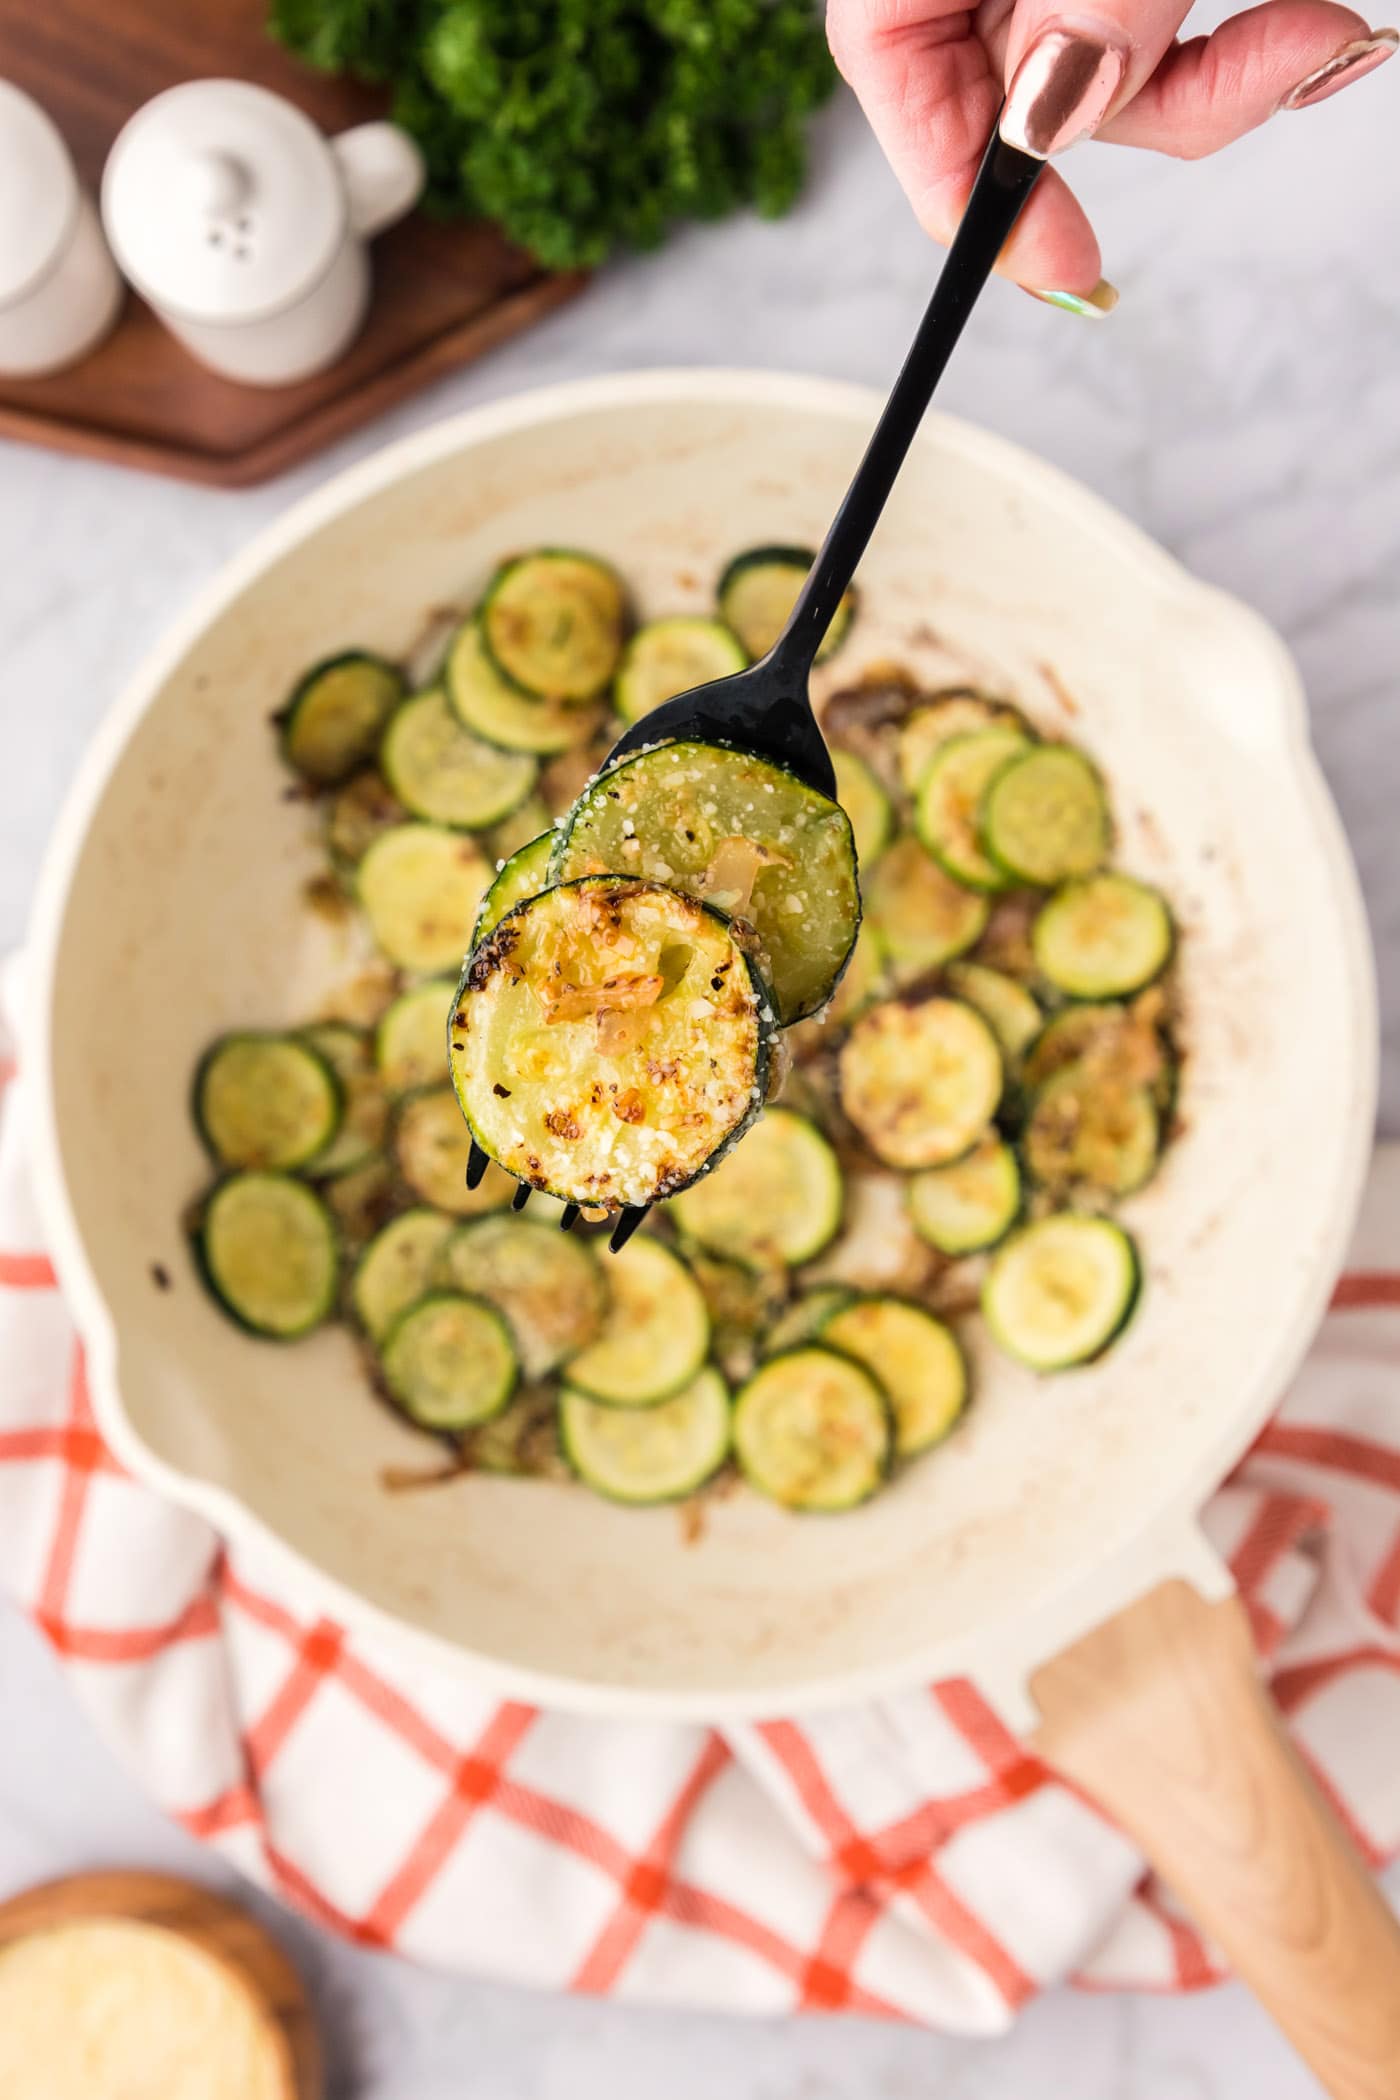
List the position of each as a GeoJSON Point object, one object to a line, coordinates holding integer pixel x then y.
{"type": "Point", "coordinates": [764, 709]}
{"type": "Point", "coordinates": [625, 1224]}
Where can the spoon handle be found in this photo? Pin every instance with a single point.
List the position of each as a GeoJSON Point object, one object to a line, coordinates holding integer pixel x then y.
{"type": "Point", "coordinates": [1004, 182]}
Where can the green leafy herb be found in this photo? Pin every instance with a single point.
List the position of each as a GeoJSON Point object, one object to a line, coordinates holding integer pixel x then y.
{"type": "Point", "coordinates": [581, 126]}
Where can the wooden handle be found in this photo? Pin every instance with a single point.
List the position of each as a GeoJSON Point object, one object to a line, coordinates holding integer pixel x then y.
{"type": "Point", "coordinates": [1159, 1716]}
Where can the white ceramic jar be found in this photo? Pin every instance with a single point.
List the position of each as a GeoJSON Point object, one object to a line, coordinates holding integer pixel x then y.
{"type": "Point", "coordinates": [245, 229]}
{"type": "Point", "coordinates": [59, 289]}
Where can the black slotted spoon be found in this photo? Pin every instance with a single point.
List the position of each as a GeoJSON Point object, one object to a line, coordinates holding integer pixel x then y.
{"type": "Point", "coordinates": [767, 709]}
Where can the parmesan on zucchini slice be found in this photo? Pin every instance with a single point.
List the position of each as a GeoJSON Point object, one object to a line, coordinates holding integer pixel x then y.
{"type": "Point", "coordinates": [524, 875]}
{"type": "Point", "coordinates": [610, 1040]}
{"type": "Point", "coordinates": [744, 835]}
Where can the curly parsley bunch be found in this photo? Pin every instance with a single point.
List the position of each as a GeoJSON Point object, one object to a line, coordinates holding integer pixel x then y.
{"type": "Point", "coordinates": [581, 126]}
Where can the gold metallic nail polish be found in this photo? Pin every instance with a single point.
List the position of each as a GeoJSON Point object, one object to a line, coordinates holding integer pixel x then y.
{"type": "Point", "coordinates": [1352, 62]}
{"type": "Point", "coordinates": [1095, 306]}
{"type": "Point", "coordinates": [1062, 88]}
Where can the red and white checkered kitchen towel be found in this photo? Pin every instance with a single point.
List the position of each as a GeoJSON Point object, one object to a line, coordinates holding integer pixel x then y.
{"type": "Point", "coordinates": [909, 1859]}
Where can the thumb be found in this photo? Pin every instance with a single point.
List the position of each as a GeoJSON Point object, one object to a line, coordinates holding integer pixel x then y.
{"type": "Point", "coordinates": [1067, 73]}
{"type": "Point", "coordinates": [931, 92]}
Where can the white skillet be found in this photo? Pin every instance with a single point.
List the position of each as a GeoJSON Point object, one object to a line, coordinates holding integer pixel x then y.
{"type": "Point", "coordinates": [169, 910]}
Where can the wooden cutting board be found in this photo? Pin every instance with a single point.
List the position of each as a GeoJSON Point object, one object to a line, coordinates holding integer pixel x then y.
{"type": "Point", "coordinates": [442, 293]}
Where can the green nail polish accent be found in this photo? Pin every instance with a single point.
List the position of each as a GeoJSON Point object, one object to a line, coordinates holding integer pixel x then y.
{"type": "Point", "coordinates": [1095, 305]}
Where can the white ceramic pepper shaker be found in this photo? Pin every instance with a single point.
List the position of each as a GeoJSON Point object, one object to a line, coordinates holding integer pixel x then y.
{"type": "Point", "coordinates": [246, 229]}
{"type": "Point", "coordinates": [59, 289]}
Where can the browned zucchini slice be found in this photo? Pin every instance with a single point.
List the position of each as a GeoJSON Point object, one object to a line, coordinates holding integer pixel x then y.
{"type": "Point", "coordinates": [610, 1041]}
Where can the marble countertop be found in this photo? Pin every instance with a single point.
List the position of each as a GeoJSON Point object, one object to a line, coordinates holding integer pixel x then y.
{"type": "Point", "coordinates": [1242, 405]}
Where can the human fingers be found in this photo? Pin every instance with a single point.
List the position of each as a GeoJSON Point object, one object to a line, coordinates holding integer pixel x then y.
{"type": "Point", "coordinates": [928, 88]}
{"type": "Point", "coordinates": [1286, 54]}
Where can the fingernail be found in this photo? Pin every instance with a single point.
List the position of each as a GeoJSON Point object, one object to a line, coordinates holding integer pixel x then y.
{"type": "Point", "coordinates": [1352, 62]}
{"type": "Point", "coordinates": [1062, 89]}
{"type": "Point", "coordinates": [1095, 306]}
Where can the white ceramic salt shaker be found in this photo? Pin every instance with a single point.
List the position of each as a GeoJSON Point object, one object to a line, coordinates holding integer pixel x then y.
{"type": "Point", "coordinates": [246, 229]}
{"type": "Point", "coordinates": [59, 289]}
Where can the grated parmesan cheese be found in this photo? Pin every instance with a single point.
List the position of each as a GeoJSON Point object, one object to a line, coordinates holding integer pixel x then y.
{"type": "Point", "coordinates": [109, 2009]}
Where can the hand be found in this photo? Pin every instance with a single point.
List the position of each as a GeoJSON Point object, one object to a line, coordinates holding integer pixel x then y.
{"type": "Point", "coordinates": [929, 76]}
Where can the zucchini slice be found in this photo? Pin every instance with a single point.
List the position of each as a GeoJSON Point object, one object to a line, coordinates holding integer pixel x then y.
{"type": "Point", "coordinates": [421, 886]}
{"type": "Point", "coordinates": [549, 1286]}
{"type": "Point", "coordinates": [759, 589]}
{"type": "Point", "coordinates": [653, 1454]}
{"type": "Point", "coordinates": [1044, 817]}
{"type": "Point", "coordinates": [667, 657]}
{"type": "Point", "coordinates": [553, 623]}
{"type": "Point", "coordinates": [265, 1100]}
{"type": "Point", "coordinates": [922, 916]}
{"type": "Point", "coordinates": [365, 1113]}
{"type": "Point", "coordinates": [813, 1430]}
{"type": "Point", "coordinates": [738, 833]}
{"type": "Point", "coordinates": [361, 1201]}
{"type": "Point", "coordinates": [1089, 1130]}
{"type": "Point", "coordinates": [524, 875]}
{"type": "Point", "coordinates": [448, 1362]}
{"type": "Point", "coordinates": [397, 1268]}
{"type": "Point", "coordinates": [1119, 1042]}
{"type": "Point", "coordinates": [1074, 1033]}
{"type": "Point", "coordinates": [803, 1319]}
{"type": "Point", "coordinates": [774, 1201]}
{"type": "Point", "coordinates": [522, 1440]}
{"type": "Point", "coordinates": [866, 804]}
{"type": "Point", "coordinates": [655, 1333]}
{"type": "Point", "coordinates": [862, 981]}
{"type": "Point", "coordinates": [970, 1205]}
{"type": "Point", "coordinates": [441, 772]}
{"type": "Point", "coordinates": [958, 712]}
{"type": "Point", "coordinates": [331, 725]}
{"type": "Point", "coordinates": [431, 1148]}
{"type": "Point", "coordinates": [355, 816]}
{"type": "Point", "coordinates": [269, 1252]}
{"type": "Point", "coordinates": [610, 1040]}
{"type": "Point", "coordinates": [1102, 937]}
{"type": "Point", "coordinates": [741, 1302]}
{"type": "Point", "coordinates": [1060, 1290]}
{"type": "Point", "coordinates": [1013, 1015]}
{"type": "Point", "coordinates": [921, 1080]}
{"type": "Point", "coordinates": [499, 713]}
{"type": "Point", "coordinates": [916, 1359]}
{"type": "Point", "coordinates": [950, 799]}
{"type": "Point", "coordinates": [410, 1043]}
